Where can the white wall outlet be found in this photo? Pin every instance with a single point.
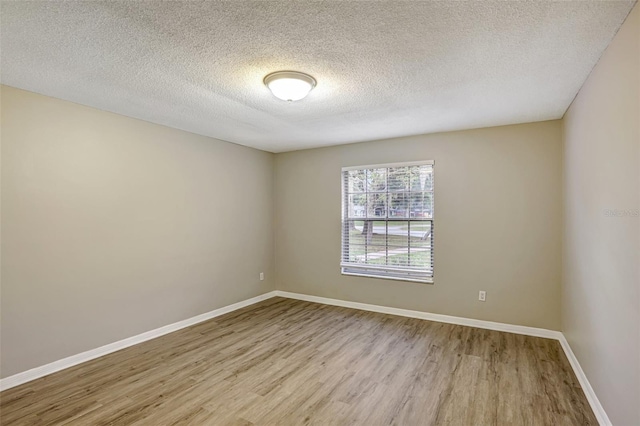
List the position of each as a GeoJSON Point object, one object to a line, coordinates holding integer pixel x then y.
{"type": "Point", "coordinates": [482, 296]}
{"type": "Point", "coordinates": [261, 276]}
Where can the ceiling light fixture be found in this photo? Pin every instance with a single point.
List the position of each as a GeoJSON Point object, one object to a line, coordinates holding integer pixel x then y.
{"type": "Point", "coordinates": [289, 85]}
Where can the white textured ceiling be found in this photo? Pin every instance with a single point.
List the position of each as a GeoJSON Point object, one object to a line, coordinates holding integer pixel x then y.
{"type": "Point", "coordinates": [384, 69]}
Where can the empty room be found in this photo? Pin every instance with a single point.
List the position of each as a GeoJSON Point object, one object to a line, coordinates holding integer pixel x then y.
{"type": "Point", "coordinates": [320, 212]}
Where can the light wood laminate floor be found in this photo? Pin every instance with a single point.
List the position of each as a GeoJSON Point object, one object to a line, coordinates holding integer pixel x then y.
{"type": "Point", "coordinates": [288, 362]}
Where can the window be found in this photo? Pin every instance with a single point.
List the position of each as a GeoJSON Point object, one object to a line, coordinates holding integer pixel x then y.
{"type": "Point", "coordinates": [387, 221]}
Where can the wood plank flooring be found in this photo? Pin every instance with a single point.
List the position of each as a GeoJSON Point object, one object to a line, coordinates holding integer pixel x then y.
{"type": "Point", "coordinates": [287, 362]}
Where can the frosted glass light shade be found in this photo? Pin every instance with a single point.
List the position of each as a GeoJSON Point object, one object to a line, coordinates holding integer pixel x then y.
{"type": "Point", "coordinates": [289, 85]}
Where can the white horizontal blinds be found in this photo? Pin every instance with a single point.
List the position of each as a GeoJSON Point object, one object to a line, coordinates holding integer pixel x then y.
{"type": "Point", "coordinates": [387, 227]}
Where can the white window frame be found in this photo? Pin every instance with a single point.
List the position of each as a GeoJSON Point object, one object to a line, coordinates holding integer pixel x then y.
{"type": "Point", "coordinates": [387, 272]}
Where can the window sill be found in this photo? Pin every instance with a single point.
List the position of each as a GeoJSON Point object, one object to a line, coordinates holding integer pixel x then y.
{"type": "Point", "coordinates": [383, 277]}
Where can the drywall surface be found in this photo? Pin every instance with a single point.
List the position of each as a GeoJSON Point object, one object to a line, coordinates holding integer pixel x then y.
{"type": "Point", "coordinates": [497, 223]}
{"type": "Point", "coordinates": [601, 286]}
{"type": "Point", "coordinates": [113, 226]}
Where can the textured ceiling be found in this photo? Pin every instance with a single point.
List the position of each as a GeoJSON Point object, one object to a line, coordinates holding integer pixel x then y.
{"type": "Point", "coordinates": [384, 69]}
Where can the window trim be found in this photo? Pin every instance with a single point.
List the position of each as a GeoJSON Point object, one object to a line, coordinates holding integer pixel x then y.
{"type": "Point", "coordinates": [388, 165]}
{"type": "Point", "coordinates": [413, 274]}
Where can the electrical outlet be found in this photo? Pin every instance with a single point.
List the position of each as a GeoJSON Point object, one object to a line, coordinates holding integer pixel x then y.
{"type": "Point", "coordinates": [482, 296]}
{"type": "Point", "coordinates": [261, 276]}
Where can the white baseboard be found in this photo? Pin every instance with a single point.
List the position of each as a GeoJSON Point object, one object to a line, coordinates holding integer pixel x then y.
{"type": "Point", "coordinates": [47, 369]}
{"type": "Point", "coordinates": [490, 325]}
{"type": "Point", "coordinates": [597, 408]}
{"type": "Point", "coordinates": [44, 370]}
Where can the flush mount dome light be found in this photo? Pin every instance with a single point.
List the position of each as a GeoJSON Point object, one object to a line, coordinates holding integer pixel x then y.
{"type": "Point", "coordinates": [289, 85]}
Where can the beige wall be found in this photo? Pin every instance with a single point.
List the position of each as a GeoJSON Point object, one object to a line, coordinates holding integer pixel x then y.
{"type": "Point", "coordinates": [601, 302]}
{"type": "Point", "coordinates": [113, 226]}
{"type": "Point", "coordinates": [498, 223]}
